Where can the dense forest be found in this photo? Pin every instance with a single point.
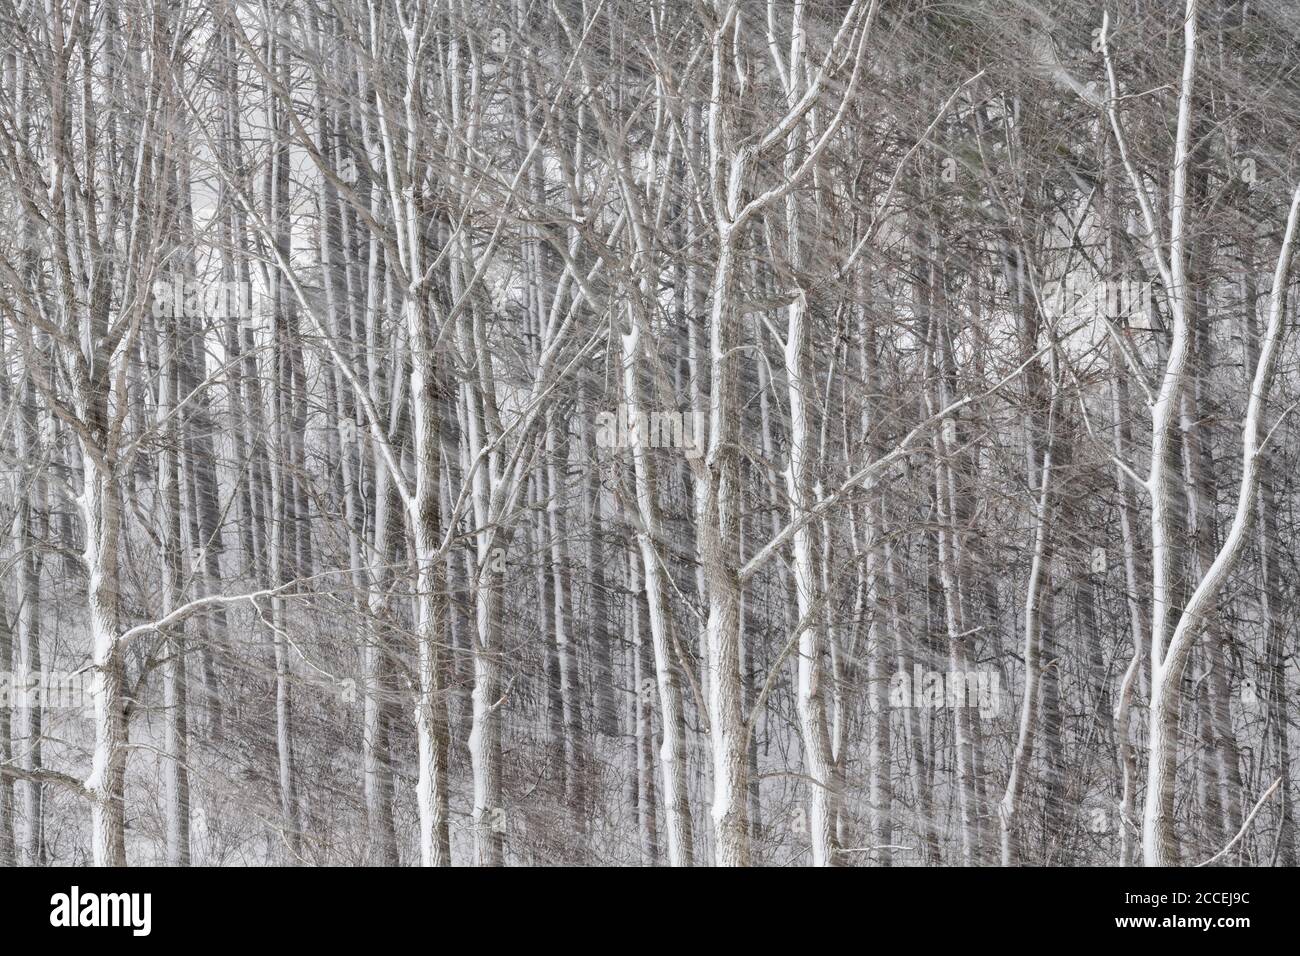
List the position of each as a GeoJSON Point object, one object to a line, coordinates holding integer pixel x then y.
{"type": "Point", "coordinates": [649, 432]}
